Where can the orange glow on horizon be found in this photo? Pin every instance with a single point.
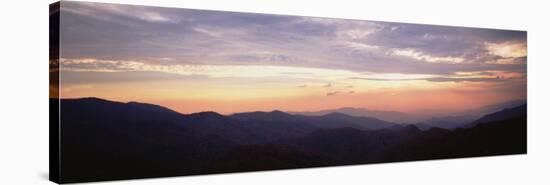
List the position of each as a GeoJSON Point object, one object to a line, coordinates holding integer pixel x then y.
{"type": "Point", "coordinates": [399, 98]}
{"type": "Point", "coordinates": [230, 89]}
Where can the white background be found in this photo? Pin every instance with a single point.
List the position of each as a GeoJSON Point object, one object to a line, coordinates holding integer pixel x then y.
{"type": "Point", "coordinates": [24, 91]}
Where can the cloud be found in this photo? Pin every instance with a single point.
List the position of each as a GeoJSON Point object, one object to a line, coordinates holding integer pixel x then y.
{"type": "Point", "coordinates": [356, 34]}
{"type": "Point", "coordinates": [214, 71]}
{"type": "Point", "coordinates": [96, 77]}
{"type": "Point", "coordinates": [507, 49]}
{"type": "Point", "coordinates": [145, 71]}
{"type": "Point", "coordinates": [440, 79]}
{"type": "Point", "coordinates": [424, 57]}
{"type": "Point", "coordinates": [467, 76]}
{"type": "Point", "coordinates": [70, 88]}
{"type": "Point", "coordinates": [358, 46]}
{"type": "Point", "coordinates": [382, 79]}
{"type": "Point", "coordinates": [332, 93]}
{"type": "Point", "coordinates": [114, 13]}
{"type": "Point", "coordinates": [199, 37]}
{"type": "Point", "coordinates": [444, 79]}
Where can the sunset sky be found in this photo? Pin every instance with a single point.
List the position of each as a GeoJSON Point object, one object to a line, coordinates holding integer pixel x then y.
{"type": "Point", "coordinates": [196, 60]}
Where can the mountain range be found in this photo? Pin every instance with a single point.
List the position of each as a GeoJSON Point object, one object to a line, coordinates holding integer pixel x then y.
{"type": "Point", "coordinates": [466, 117]}
{"type": "Point", "coordinates": [449, 120]}
{"type": "Point", "coordinates": [390, 116]}
{"type": "Point", "coordinates": [108, 140]}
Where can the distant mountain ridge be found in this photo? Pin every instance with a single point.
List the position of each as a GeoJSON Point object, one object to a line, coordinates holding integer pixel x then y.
{"type": "Point", "coordinates": [466, 117]}
{"type": "Point", "coordinates": [450, 121]}
{"type": "Point", "coordinates": [389, 116]}
{"type": "Point", "coordinates": [247, 123]}
{"type": "Point", "coordinates": [488, 109]}
{"type": "Point", "coordinates": [502, 115]}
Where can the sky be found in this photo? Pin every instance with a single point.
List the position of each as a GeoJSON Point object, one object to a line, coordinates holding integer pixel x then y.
{"type": "Point", "coordinates": [198, 60]}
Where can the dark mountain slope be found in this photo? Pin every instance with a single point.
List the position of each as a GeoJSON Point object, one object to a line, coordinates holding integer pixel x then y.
{"type": "Point", "coordinates": [105, 140]}
{"type": "Point", "coordinates": [279, 125]}
{"type": "Point", "coordinates": [266, 157]}
{"type": "Point", "coordinates": [339, 120]}
{"type": "Point", "coordinates": [389, 116]}
{"type": "Point", "coordinates": [217, 125]}
{"type": "Point", "coordinates": [349, 145]}
{"type": "Point", "coordinates": [488, 109]}
{"type": "Point", "coordinates": [151, 107]}
{"type": "Point", "coordinates": [275, 125]}
{"type": "Point", "coordinates": [508, 113]}
{"type": "Point", "coordinates": [499, 133]}
{"type": "Point", "coordinates": [494, 138]}
{"type": "Point", "coordinates": [331, 120]}
{"type": "Point", "coordinates": [449, 122]}
{"type": "Point", "coordinates": [95, 109]}
{"type": "Point", "coordinates": [326, 147]}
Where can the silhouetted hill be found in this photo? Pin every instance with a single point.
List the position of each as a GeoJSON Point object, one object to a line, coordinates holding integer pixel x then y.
{"type": "Point", "coordinates": [412, 128]}
{"type": "Point", "coordinates": [493, 138]}
{"type": "Point", "coordinates": [498, 133]}
{"type": "Point", "coordinates": [275, 125]}
{"type": "Point", "coordinates": [466, 117]}
{"type": "Point", "coordinates": [487, 109]}
{"type": "Point", "coordinates": [339, 120]}
{"type": "Point", "coordinates": [95, 109]}
{"type": "Point", "coordinates": [508, 113]}
{"type": "Point", "coordinates": [424, 126]}
{"type": "Point", "coordinates": [349, 145]}
{"type": "Point", "coordinates": [449, 122]}
{"type": "Point", "coordinates": [107, 140]}
{"type": "Point", "coordinates": [271, 116]}
{"type": "Point", "coordinates": [266, 157]}
{"type": "Point", "coordinates": [150, 107]}
{"type": "Point", "coordinates": [217, 125]}
{"type": "Point", "coordinates": [389, 116]}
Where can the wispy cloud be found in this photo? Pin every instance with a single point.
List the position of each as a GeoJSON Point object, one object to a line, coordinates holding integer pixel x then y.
{"type": "Point", "coordinates": [507, 49]}
{"type": "Point", "coordinates": [332, 93]}
{"type": "Point", "coordinates": [115, 13]}
{"type": "Point", "coordinates": [215, 71]}
{"type": "Point", "coordinates": [412, 53]}
{"type": "Point", "coordinates": [442, 79]}
{"type": "Point", "coordinates": [447, 79]}
{"type": "Point", "coordinates": [319, 75]}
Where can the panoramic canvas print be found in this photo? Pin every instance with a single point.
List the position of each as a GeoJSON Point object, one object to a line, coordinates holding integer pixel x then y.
{"type": "Point", "coordinates": [139, 92]}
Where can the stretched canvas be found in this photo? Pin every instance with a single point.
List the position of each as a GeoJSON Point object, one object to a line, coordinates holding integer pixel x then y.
{"type": "Point", "coordinates": [140, 92]}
